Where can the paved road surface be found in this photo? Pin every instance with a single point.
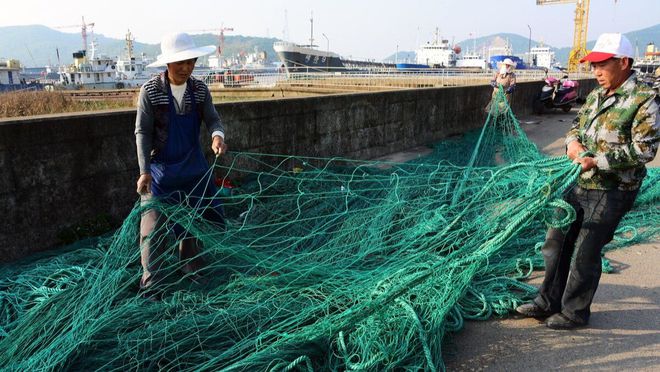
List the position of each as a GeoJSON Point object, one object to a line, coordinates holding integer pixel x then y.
{"type": "Point", "coordinates": [624, 330]}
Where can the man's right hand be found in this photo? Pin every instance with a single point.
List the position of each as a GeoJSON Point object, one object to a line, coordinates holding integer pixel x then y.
{"type": "Point", "coordinates": [574, 149]}
{"type": "Point", "coordinates": [144, 184]}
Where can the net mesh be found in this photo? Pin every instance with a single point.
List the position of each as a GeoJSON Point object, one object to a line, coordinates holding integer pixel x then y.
{"type": "Point", "coordinates": [324, 264]}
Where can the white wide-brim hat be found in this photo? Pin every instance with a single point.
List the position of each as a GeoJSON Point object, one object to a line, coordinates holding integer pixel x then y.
{"type": "Point", "coordinates": [179, 46]}
{"type": "Point", "coordinates": [509, 62]}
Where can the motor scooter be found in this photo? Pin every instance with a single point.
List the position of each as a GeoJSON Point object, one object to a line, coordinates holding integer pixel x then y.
{"type": "Point", "coordinates": [556, 94]}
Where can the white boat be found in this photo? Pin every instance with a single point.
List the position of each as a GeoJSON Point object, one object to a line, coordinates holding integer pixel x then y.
{"type": "Point", "coordinates": [131, 71]}
{"type": "Point", "coordinates": [89, 71]}
{"type": "Point", "coordinates": [437, 54]}
{"type": "Point", "coordinates": [650, 62]}
{"type": "Point", "coordinates": [92, 71]}
{"type": "Point", "coordinates": [472, 60]}
{"type": "Point", "coordinates": [542, 56]}
{"type": "Point", "coordinates": [10, 70]}
{"type": "Point", "coordinates": [10, 75]}
{"type": "Point", "coordinates": [243, 60]}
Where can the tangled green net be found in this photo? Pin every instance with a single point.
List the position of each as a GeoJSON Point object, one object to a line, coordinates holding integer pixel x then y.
{"type": "Point", "coordinates": [324, 264]}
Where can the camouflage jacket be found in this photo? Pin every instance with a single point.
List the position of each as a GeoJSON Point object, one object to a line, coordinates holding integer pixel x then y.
{"type": "Point", "coordinates": [622, 131]}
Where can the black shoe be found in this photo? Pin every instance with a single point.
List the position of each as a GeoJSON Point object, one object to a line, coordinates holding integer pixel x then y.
{"type": "Point", "coordinates": [561, 321]}
{"type": "Point", "coordinates": [532, 310]}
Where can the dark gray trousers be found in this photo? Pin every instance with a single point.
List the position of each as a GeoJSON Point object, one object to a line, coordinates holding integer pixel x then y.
{"type": "Point", "coordinates": [153, 247]}
{"type": "Point", "coordinates": [573, 255]}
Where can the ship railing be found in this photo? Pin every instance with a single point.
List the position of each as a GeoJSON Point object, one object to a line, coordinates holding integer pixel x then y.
{"type": "Point", "coordinates": [398, 78]}
{"type": "Point", "coordinates": [365, 79]}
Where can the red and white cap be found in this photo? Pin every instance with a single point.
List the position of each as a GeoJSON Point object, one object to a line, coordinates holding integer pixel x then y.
{"type": "Point", "coordinates": [608, 46]}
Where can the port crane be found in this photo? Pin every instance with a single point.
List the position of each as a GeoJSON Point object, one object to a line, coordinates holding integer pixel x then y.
{"type": "Point", "coordinates": [579, 49]}
{"type": "Point", "coordinates": [221, 38]}
{"type": "Point", "coordinates": [83, 27]}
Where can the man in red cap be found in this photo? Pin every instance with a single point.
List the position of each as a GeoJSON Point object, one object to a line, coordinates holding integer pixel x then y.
{"type": "Point", "coordinates": [615, 133]}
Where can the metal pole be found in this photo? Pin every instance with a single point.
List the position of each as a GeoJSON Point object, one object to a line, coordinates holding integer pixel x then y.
{"type": "Point", "coordinates": [529, 46]}
{"type": "Point", "coordinates": [311, 31]}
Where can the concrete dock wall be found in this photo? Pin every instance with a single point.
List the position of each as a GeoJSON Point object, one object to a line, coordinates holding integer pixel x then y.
{"type": "Point", "coordinates": [63, 174]}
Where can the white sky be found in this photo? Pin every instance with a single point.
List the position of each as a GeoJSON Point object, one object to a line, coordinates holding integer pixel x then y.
{"type": "Point", "coordinates": [355, 28]}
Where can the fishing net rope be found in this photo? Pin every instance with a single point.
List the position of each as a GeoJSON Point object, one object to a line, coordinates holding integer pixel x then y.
{"type": "Point", "coordinates": [323, 264]}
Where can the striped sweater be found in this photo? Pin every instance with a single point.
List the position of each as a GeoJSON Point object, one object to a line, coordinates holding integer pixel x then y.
{"type": "Point", "coordinates": [152, 115]}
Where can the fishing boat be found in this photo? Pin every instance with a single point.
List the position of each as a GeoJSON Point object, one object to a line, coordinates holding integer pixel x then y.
{"type": "Point", "coordinates": [472, 61]}
{"type": "Point", "coordinates": [542, 56]}
{"type": "Point", "coordinates": [11, 78]}
{"type": "Point", "coordinates": [131, 71]}
{"type": "Point", "coordinates": [437, 53]}
{"type": "Point", "coordinates": [650, 62]}
{"type": "Point", "coordinates": [92, 70]}
{"type": "Point", "coordinates": [89, 70]}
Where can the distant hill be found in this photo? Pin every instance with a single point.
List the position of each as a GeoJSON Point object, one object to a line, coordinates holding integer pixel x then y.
{"type": "Point", "coordinates": [37, 45]}
{"type": "Point", "coordinates": [520, 44]}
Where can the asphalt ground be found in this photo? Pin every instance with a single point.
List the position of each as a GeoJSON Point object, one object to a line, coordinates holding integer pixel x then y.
{"type": "Point", "coordinates": [624, 329]}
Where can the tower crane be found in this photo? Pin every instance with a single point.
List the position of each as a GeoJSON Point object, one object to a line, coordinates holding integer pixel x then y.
{"type": "Point", "coordinates": [221, 38]}
{"type": "Point", "coordinates": [579, 49]}
{"type": "Point", "coordinates": [83, 32]}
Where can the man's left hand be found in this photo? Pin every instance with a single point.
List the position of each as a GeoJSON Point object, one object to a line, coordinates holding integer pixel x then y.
{"type": "Point", "coordinates": [218, 146]}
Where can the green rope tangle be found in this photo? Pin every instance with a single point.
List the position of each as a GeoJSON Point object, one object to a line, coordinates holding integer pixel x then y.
{"type": "Point", "coordinates": [324, 264]}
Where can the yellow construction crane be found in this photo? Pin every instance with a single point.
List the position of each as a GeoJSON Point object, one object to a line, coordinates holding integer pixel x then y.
{"type": "Point", "coordinates": [579, 34]}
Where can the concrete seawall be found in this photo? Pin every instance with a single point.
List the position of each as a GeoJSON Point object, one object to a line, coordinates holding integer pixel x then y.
{"type": "Point", "coordinates": [61, 173]}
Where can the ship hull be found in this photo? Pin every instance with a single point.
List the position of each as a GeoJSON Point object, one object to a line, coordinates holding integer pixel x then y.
{"type": "Point", "coordinates": [300, 58]}
{"type": "Point", "coordinates": [495, 60]}
{"type": "Point", "coordinates": [295, 62]}
{"type": "Point", "coordinates": [405, 66]}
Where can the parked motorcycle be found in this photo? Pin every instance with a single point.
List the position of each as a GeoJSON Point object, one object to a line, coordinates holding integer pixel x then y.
{"type": "Point", "coordinates": [556, 94]}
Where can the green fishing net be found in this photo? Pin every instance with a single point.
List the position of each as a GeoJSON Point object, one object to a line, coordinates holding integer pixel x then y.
{"type": "Point", "coordinates": [323, 264]}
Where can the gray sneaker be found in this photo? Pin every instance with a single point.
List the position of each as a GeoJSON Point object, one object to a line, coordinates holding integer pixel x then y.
{"type": "Point", "coordinates": [532, 310]}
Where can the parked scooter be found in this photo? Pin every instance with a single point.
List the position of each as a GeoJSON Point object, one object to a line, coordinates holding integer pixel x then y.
{"type": "Point", "coordinates": [556, 94]}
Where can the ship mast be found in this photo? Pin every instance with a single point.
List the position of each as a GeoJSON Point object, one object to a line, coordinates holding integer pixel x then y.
{"type": "Point", "coordinates": [311, 34]}
{"type": "Point", "coordinates": [129, 45]}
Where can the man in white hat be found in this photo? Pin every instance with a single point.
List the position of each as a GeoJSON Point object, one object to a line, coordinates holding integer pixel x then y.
{"type": "Point", "coordinates": [506, 78]}
{"type": "Point", "coordinates": [173, 169]}
{"type": "Point", "coordinates": [614, 135]}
